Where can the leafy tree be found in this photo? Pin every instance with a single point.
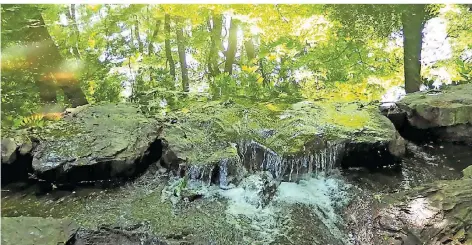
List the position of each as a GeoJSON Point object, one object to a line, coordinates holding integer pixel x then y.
{"type": "Point", "coordinates": [382, 20]}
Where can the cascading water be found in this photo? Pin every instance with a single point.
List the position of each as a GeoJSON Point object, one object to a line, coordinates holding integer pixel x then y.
{"type": "Point", "coordinates": [257, 157]}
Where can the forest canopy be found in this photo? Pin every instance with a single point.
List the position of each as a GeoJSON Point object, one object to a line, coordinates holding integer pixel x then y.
{"type": "Point", "coordinates": [157, 55]}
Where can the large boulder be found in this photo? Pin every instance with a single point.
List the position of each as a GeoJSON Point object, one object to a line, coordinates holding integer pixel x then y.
{"type": "Point", "coordinates": [96, 142]}
{"type": "Point", "coordinates": [446, 114]}
{"type": "Point", "coordinates": [220, 141]}
{"type": "Point", "coordinates": [37, 230]}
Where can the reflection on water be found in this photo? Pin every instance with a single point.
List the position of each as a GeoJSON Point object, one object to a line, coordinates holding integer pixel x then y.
{"type": "Point", "coordinates": [422, 165]}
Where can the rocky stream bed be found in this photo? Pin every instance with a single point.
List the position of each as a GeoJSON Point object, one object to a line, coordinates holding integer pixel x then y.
{"type": "Point", "coordinates": [226, 172]}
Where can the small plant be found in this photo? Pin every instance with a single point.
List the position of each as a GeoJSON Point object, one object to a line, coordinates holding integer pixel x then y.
{"type": "Point", "coordinates": [182, 185]}
{"type": "Point", "coordinates": [378, 197]}
{"type": "Point", "coordinates": [37, 120]}
{"type": "Point", "coordinates": [33, 121]}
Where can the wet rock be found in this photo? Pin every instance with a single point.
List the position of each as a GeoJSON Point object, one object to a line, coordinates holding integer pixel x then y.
{"type": "Point", "coordinates": [99, 142]}
{"type": "Point", "coordinates": [259, 189]}
{"type": "Point", "coordinates": [197, 145]}
{"type": "Point", "coordinates": [435, 213]}
{"type": "Point", "coordinates": [107, 235]}
{"type": "Point", "coordinates": [219, 143]}
{"type": "Point", "coordinates": [446, 115]}
{"type": "Point", "coordinates": [36, 230]}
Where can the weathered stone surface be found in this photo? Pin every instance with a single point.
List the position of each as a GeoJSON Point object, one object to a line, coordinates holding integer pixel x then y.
{"type": "Point", "coordinates": [100, 141]}
{"type": "Point", "coordinates": [446, 114]}
{"type": "Point", "coordinates": [288, 140]}
{"type": "Point", "coordinates": [8, 151]}
{"type": "Point", "coordinates": [36, 230]}
{"type": "Point", "coordinates": [434, 213]}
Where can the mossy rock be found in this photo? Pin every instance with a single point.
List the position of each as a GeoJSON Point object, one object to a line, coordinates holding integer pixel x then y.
{"type": "Point", "coordinates": [101, 141]}
{"type": "Point", "coordinates": [451, 106]}
{"type": "Point", "coordinates": [213, 131]}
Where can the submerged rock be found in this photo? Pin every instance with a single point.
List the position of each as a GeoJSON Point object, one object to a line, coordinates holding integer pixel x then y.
{"type": "Point", "coordinates": [36, 230]}
{"type": "Point", "coordinates": [446, 115]}
{"type": "Point", "coordinates": [259, 189]}
{"type": "Point", "coordinates": [101, 141]}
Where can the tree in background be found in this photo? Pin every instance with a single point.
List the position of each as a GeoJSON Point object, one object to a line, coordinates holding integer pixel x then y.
{"type": "Point", "coordinates": [24, 25]}
{"type": "Point", "coordinates": [382, 20]}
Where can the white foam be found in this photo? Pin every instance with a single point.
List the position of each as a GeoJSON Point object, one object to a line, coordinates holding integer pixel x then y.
{"type": "Point", "coordinates": [322, 194]}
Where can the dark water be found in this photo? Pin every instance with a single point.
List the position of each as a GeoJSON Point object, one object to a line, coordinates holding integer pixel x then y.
{"type": "Point", "coordinates": [423, 163]}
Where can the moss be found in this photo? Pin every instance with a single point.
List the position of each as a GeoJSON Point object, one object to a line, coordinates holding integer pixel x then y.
{"type": "Point", "coordinates": [450, 107]}
{"type": "Point", "coordinates": [205, 132]}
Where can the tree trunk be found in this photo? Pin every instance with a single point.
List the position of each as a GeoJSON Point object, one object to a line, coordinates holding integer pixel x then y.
{"type": "Point", "coordinates": [413, 23]}
{"type": "Point", "coordinates": [46, 63]}
{"type": "Point", "coordinates": [250, 50]}
{"type": "Point", "coordinates": [136, 33]}
{"type": "Point", "coordinates": [183, 62]}
{"type": "Point", "coordinates": [216, 44]}
{"type": "Point", "coordinates": [170, 60]}
{"type": "Point", "coordinates": [263, 75]}
{"type": "Point", "coordinates": [153, 37]}
{"type": "Point", "coordinates": [232, 46]}
{"type": "Point", "coordinates": [75, 30]}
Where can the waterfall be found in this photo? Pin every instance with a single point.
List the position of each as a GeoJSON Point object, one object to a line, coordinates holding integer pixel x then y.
{"type": "Point", "coordinates": [257, 157]}
{"type": "Point", "coordinates": [223, 173]}
{"type": "Point", "coordinates": [201, 173]}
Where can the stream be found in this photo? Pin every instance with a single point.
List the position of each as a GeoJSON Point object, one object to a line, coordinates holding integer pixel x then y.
{"type": "Point", "coordinates": [309, 211]}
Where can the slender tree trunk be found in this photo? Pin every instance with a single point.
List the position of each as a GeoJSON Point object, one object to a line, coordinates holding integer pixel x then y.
{"type": "Point", "coordinates": [75, 30]}
{"type": "Point", "coordinates": [208, 60]}
{"type": "Point", "coordinates": [250, 50]}
{"type": "Point", "coordinates": [183, 61]}
{"type": "Point", "coordinates": [232, 46]}
{"type": "Point", "coordinates": [263, 74]}
{"type": "Point", "coordinates": [136, 33]}
{"type": "Point", "coordinates": [153, 37]}
{"type": "Point", "coordinates": [413, 23]}
{"type": "Point", "coordinates": [216, 44]}
{"type": "Point", "coordinates": [170, 60]}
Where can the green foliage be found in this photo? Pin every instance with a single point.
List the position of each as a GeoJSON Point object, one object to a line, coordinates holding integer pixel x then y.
{"type": "Point", "coordinates": [317, 52]}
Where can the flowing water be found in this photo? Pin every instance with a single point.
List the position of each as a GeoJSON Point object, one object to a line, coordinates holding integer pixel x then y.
{"type": "Point", "coordinates": [308, 211]}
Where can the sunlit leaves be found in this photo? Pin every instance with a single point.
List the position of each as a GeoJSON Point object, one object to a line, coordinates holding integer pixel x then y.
{"type": "Point", "coordinates": [249, 68]}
